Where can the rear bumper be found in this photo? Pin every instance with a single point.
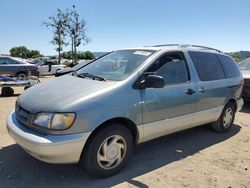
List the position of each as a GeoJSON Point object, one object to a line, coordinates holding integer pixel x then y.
{"type": "Point", "coordinates": [35, 73]}
{"type": "Point", "coordinates": [48, 148]}
{"type": "Point", "coordinates": [240, 104]}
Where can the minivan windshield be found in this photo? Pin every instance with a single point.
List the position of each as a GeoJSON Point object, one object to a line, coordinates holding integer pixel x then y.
{"type": "Point", "coordinates": [117, 65]}
{"type": "Point", "coordinates": [245, 64]}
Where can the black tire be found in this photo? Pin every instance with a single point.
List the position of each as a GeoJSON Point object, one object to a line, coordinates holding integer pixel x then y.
{"type": "Point", "coordinates": [224, 126]}
{"type": "Point", "coordinates": [7, 91]}
{"type": "Point", "coordinates": [21, 75]}
{"type": "Point", "coordinates": [89, 159]}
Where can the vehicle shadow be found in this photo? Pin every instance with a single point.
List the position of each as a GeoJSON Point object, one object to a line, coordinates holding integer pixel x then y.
{"type": "Point", "coordinates": [15, 95]}
{"type": "Point", "coordinates": [18, 169]}
{"type": "Point", "coordinates": [246, 107]}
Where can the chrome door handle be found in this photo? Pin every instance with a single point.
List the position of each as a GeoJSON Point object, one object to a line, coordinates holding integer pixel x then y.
{"type": "Point", "coordinates": [190, 91]}
{"type": "Point", "coordinates": [202, 90]}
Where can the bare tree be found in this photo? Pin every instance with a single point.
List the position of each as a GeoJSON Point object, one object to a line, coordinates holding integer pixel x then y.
{"type": "Point", "coordinates": [76, 29]}
{"type": "Point", "coordinates": [58, 23]}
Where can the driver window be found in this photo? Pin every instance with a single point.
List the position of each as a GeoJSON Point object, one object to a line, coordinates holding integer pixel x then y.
{"type": "Point", "coordinates": [172, 67]}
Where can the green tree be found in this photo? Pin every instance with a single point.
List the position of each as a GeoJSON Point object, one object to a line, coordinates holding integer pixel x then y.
{"type": "Point", "coordinates": [35, 54]}
{"type": "Point", "coordinates": [80, 55]}
{"type": "Point", "coordinates": [20, 51]}
{"type": "Point", "coordinates": [57, 23]}
{"type": "Point", "coordinates": [76, 29]}
{"type": "Point", "coordinates": [23, 52]}
{"type": "Point", "coordinates": [89, 55]}
{"type": "Point", "coordinates": [67, 55]}
{"type": "Point", "coordinates": [235, 56]}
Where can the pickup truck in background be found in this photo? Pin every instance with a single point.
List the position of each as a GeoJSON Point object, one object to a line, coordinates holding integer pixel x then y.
{"type": "Point", "coordinates": [48, 67]}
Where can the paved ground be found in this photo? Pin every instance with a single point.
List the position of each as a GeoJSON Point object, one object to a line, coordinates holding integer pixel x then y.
{"type": "Point", "coordinates": [197, 157]}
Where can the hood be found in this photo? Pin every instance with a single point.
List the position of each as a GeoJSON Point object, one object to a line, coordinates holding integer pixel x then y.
{"type": "Point", "coordinates": [246, 74]}
{"type": "Point", "coordinates": [60, 93]}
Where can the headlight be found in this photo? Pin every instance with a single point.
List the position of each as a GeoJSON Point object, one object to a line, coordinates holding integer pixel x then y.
{"type": "Point", "coordinates": [54, 121]}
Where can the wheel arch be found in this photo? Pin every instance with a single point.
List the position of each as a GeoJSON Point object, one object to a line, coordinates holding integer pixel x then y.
{"type": "Point", "coordinates": [21, 71]}
{"type": "Point", "coordinates": [122, 121]}
{"type": "Point", "coordinates": [233, 101]}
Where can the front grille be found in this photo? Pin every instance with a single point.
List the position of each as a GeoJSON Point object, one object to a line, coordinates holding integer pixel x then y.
{"type": "Point", "coordinates": [23, 115]}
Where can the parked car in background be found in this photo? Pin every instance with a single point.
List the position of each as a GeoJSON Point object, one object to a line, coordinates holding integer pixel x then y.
{"type": "Point", "coordinates": [245, 70]}
{"type": "Point", "coordinates": [48, 67]}
{"type": "Point", "coordinates": [71, 69]}
{"type": "Point", "coordinates": [15, 67]}
{"type": "Point", "coordinates": [98, 115]}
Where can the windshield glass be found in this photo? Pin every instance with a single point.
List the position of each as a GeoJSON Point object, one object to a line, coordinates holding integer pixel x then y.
{"type": "Point", "coordinates": [245, 64]}
{"type": "Point", "coordinates": [79, 65]}
{"type": "Point", "coordinates": [117, 65]}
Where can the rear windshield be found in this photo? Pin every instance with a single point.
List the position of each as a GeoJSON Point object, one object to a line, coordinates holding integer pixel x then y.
{"type": "Point", "coordinates": [117, 65]}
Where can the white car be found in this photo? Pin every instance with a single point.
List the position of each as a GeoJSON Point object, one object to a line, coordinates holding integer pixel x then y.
{"type": "Point", "coordinates": [49, 67]}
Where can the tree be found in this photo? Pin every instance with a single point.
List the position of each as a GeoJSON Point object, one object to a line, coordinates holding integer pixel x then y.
{"type": "Point", "coordinates": [20, 51]}
{"type": "Point", "coordinates": [235, 56]}
{"type": "Point", "coordinates": [34, 54]}
{"type": "Point", "coordinates": [80, 55]}
{"type": "Point", "coordinates": [57, 23]}
{"type": "Point", "coordinates": [23, 52]}
{"type": "Point", "coordinates": [89, 55]}
{"type": "Point", "coordinates": [67, 55]}
{"type": "Point", "coordinates": [76, 28]}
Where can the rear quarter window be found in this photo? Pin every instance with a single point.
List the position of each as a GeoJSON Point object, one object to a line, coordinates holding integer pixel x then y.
{"type": "Point", "coordinates": [229, 66]}
{"type": "Point", "coordinates": [207, 66]}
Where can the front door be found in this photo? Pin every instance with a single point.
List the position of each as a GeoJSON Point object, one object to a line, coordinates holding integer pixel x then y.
{"type": "Point", "coordinates": [172, 108]}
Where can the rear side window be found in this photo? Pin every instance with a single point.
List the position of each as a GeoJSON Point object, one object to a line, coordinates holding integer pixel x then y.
{"type": "Point", "coordinates": [230, 67]}
{"type": "Point", "coordinates": [207, 65]}
{"type": "Point", "coordinates": [4, 61]}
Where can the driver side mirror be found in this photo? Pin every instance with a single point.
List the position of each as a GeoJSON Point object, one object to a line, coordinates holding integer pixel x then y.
{"type": "Point", "coordinates": [154, 81]}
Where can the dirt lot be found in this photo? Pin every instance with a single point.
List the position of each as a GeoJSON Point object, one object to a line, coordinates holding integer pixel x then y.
{"type": "Point", "coordinates": [197, 157]}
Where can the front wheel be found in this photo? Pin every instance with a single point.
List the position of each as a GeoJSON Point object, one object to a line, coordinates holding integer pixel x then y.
{"type": "Point", "coordinates": [108, 151]}
{"type": "Point", "coordinates": [225, 122]}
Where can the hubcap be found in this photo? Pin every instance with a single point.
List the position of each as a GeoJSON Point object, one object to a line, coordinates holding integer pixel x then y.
{"type": "Point", "coordinates": [228, 117]}
{"type": "Point", "coordinates": [22, 76]}
{"type": "Point", "coordinates": [111, 152]}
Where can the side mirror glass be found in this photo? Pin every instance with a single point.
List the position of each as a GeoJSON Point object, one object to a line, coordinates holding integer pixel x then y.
{"type": "Point", "coordinates": [154, 81]}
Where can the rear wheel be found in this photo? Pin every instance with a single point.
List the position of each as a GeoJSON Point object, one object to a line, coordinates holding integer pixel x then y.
{"type": "Point", "coordinates": [225, 122]}
{"type": "Point", "coordinates": [21, 75]}
{"type": "Point", "coordinates": [108, 151]}
{"type": "Point", "coordinates": [7, 91]}
{"type": "Point", "coordinates": [57, 71]}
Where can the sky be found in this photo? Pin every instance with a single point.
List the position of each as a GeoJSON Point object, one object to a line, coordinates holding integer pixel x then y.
{"type": "Point", "coordinates": [114, 24]}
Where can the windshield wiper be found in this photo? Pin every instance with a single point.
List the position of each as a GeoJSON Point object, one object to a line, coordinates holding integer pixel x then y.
{"type": "Point", "coordinates": [74, 73]}
{"type": "Point", "coordinates": [94, 77]}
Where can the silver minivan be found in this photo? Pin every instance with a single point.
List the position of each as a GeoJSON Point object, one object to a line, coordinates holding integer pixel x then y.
{"type": "Point", "coordinates": [99, 113]}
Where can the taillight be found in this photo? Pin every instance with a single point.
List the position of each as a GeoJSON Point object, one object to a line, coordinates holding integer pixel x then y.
{"type": "Point", "coordinates": [242, 82]}
{"type": "Point", "coordinates": [241, 87]}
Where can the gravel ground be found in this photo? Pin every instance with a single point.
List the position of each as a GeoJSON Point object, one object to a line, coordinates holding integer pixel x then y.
{"type": "Point", "coordinates": [196, 157]}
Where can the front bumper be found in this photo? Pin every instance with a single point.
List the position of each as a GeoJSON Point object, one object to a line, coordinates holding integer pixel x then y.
{"type": "Point", "coordinates": [48, 148]}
